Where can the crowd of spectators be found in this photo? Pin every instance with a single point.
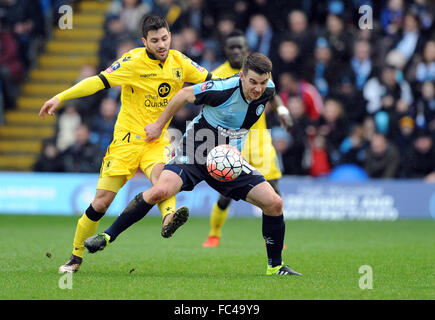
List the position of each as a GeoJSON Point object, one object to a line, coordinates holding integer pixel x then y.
{"type": "Point", "coordinates": [359, 94]}
{"type": "Point", "coordinates": [25, 25]}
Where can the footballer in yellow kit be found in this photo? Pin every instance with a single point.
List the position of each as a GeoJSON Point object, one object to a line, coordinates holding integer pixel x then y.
{"type": "Point", "coordinates": [149, 76]}
{"type": "Point", "coordinates": [142, 102]}
{"type": "Point", "coordinates": [258, 149]}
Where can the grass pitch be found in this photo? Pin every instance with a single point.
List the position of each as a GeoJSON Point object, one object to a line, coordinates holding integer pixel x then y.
{"type": "Point", "coordinates": [143, 265]}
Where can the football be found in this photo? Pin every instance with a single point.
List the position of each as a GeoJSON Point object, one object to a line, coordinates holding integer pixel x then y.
{"type": "Point", "coordinates": [224, 163]}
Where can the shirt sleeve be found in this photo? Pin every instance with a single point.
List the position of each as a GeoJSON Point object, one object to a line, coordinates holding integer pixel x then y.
{"type": "Point", "coordinates": [84, 88]}
{"type": "Point", "coordinates": [193, 72]}
{"type": "Point", "coordinates": [119, 73]}
{"type": "Point", "coordinates": [210, 93]}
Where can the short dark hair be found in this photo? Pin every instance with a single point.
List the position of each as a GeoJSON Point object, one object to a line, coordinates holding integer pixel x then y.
{"type": "Point", "coordinates": [153, 22]}
{"type": "Point", "coordinates": [258, 63]}
{"type": "Point", "coordinates": [235, 33]}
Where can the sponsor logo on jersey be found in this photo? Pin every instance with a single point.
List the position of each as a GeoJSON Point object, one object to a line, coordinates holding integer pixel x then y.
{"type": "Point", "coordinates": [207, 85]}
{"type": "Point", "coordinates": [148, 75]}
{"type": "Point", "coordinates": [164, 89]}
{"type": "Point", "coordinates": [197, 66]}
{"type": "Point", "coordinates": [156, 104]}
{"type": "Point", "coordinates": [113, 67]}
{"type": "Point", "coordinates": [127, 58]}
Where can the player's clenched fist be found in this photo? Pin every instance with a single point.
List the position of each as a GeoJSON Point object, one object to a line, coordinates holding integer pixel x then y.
{"type": "Point", "coordinates": [49, 107]}
{"type": "Point", "coordinates": [153, 130]}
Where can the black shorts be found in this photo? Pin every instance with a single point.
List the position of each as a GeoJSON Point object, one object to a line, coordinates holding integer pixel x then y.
{"type": "Point", "coordinates": [192, 174]}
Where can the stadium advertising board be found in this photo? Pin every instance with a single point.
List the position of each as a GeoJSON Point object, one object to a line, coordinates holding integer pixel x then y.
{"type": "Point", "coordinates": [304, 198]}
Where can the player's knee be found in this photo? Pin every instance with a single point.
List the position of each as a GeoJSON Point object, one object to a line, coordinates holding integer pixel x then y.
{"type": "Point", "coordinates": [278, 205]}
{"type": "Point", "coordinates": [158, 194]}
{"type": "Point", "coordinates": [275, 207]}
{"type": "Point", "coordinates": [101, 204]}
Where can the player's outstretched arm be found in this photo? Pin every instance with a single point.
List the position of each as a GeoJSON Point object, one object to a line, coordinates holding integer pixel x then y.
{"type": "Point", "coordinates": [154, 130]}
{"type": "Point", "coordinates": [282, 112]}
{"type": "Point", "coordinates": [84, 88]}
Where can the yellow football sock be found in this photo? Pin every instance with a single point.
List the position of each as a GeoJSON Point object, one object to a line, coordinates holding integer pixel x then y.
{"type": "Point", "coordinates": [168, 206]}
{"type": "Point", "coordinates": [217, 220]}
{"type": "Point", "coordinates": [85, 229]}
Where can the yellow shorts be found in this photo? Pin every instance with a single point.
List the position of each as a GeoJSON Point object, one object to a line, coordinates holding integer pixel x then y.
{"type": "Point", "coordinates": [261, 154]}
{"type": "Point", "coordinates": [126, 154]}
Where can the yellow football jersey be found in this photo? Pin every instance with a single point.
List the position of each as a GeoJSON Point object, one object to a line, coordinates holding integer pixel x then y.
{"type": "Point", "coordinates": [258, 149]}
{"type": "Point", "coordinates": [148, 85]}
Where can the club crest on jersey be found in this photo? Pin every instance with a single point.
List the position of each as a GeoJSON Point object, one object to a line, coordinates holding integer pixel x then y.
{"type": "Point", "coordinates": [113, 67]}
{"type": "Point", "coordinates": [207, 85]}
{"type": "Point", "coordinates": [177, 73]}
{"type": "Point", "coordinates": [259, 110]}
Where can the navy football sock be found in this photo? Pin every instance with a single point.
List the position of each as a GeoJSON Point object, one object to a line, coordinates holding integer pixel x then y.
{"type": "Point", "coordinates": [273, 233]}
{"type": "Point", "coordinates": [136, 210]}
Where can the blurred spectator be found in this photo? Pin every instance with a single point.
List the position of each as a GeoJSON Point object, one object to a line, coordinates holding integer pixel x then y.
{"type": "Point", "coordinates": [103, 123]}
{"type": "Point", "coordinates": [354, 104]}
{"type": "Point", "coordinates": [369, 128]}
{"type": "Point", "coordinates": [410, 40]}
{"type": "Point", "coordinates": [225, 25]}
{"type": "Point", "coordinates": [259, 34]}
{"type": "Point", "coordinates": [353, 147]}
{"type": "Point", "coordinates": [424, 9]}
{"type": "Point", "coordinates": [281, 140]}
{"type": "Point", "coordinates": [425, 107]}
{"type": "Point", "coordinates": [319, 164]}
{"type": "Point", "coordinates": [384, 90]}
{"type": "Point", "coordinates": [361, 64]}
{"type": "Point", "coordinates": [194, 46]}
{"type": "Point", "coordinates": [209, 60]}
{"type": "Point", "coordinates": [113, 34]}
{"type": "Point", "coordinates": [288, 59]}
{"type": "Point", "coordinates": [392, 16]}
{"type": "Point", "coordinates": [49, 160]}
{"type": "Point", "coordinates": [404, 138]}
{"type": "Point", "coordinates": [420, 158]}
{"type": "Point", "coordinates": [325, 72]}
{"type": "Point", "coordinates": [82, 156]}
{"type": "Point", "coordinates": [125, 46]}
{"type": "Point", "coordinates": [293, 156]}
{"type": "Point", "coordinates": [11, 69]}
{"type": "Point", "coordinates": [26, 21]}
{"type": "Point", "coordinates": [382, 158]}
{"type": "Point", "coordinates": [296, 86]}
{"type": "Point", "coordinates": [425, 69]}
{"type": "Point", "coordinates": [67, 122]}
{"type": "Point", "coordinates": [338, 38]}
{"type": "Point", "coordinates": [333, 126]}
{"type": "Point", "coordinates": [300, 33]}
{"type": "Point", "coordinates": [178, 42]}
{"type": "Point", "coordinates": [130, 12]}
{"type": "Point", "coordinates": [197, 17]}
